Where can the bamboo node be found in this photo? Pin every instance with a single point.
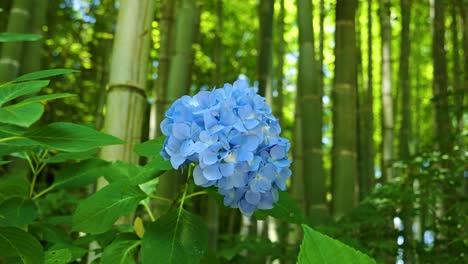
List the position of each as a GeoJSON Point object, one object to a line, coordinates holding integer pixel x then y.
{"type": "Point", "coordinates": [126, 87]}
{"type": "Point", "coordinates": [13, 62]}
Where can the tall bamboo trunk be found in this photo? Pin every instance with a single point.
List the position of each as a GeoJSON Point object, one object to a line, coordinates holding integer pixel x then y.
{"type": "Point", "coordinates": [404, 81]}
{"type": "Point", "coordinates": [386, 92]}
{"type": "Point", "coordinates": [18, 22]}
{"type": "Point", "coordinates": [31, 60]}
{"type": "Point", "coordinates": [265, 47]}
{"type": "Point", "coordinates": [461, 103]}
{"type": "Point", "coordinates": [344, 164]}
{"type": "Point", "coordinates": [126, 99]}
{"type": "Point", "coordinates": [166, 29]}
{"type": "Point", "coordinates": [311, 107]}
{"type": "Point", "coordinates": [366, 117]}
{"type": "Point", "coordinates": [439, 88]}
{"type": "Point", "coordinates": [405, 126]}
{"type": "Point", "coordinates": [179, 76]}
{"type": "Point", "coordinates": [279, 99]}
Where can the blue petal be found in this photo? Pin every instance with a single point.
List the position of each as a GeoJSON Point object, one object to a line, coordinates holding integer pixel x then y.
{"type": "Point", "coordinates": [212, 173]}
{"type": "Point", "coordinates": [181, 131]}
{"type": "Point", "coordinates": [252, 197]}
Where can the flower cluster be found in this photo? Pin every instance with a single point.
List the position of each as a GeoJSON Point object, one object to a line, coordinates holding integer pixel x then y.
{"type": "Point", "coordinates": [232, 135]}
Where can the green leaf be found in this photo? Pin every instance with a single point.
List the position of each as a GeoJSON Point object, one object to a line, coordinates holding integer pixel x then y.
{"type": "Point", "coordinates": [65, 156]}
{"type": "Point", "coordinates": [17, 212]}
{"type": "Point", "coordinates": [14, 37]}
{"type": "Point", "coordinates": [98, 212]}
{"type": "Point", "coordinates": [14, 90]}
{"type": "Point", "coordinates": [3, 162]}
{"type": "Point", "coordinates": [121, 251]}
{"type": "Point", "coordinates": [151, 171]}
{"type": "Point", "coordinates": [71, 137]}
{"type": "Point", "coordinates": [80, 174]}
{"type": "Point", "coordinates": [285, 209]}
{"type": "Point", "coordinates": [59, 256]}
{"type": "Point", "coordinates": [43, 74]}
{"type": "Point", "coordinates": [21, 114]}
{"type": "Point", "coordinates": [134, 174]}
{"type": "Point", "coordinates": [13, 187]}
{"type": "Point", "coordinates": [45, 98]}
{"type": "Point", "coordinates": [319, 248]}
{"type": "Point", "coordinates": [151, 148]}
{"type": "Point", "coordinates": [16, 242]}
{"type": "Point", "coordinates": [177, 237]}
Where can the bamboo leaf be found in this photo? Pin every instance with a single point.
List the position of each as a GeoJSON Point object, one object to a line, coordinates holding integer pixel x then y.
{"type": "Point", "coordinates": [43, 74]}
{"type": "Point", "coordinates": [98, 212]}
{"type": "Point", "coordinates": [177, 237]}
{"type": "Point", "coordinates": [16, 242]}
{"type": "Point", "coordinates": [319, 248]}
{"type": "Point", "coordinates": [71, 137]}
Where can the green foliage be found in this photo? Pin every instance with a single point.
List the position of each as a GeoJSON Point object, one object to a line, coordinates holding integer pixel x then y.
{"type": "Point", "coordinates": [122, 250]}
{"type": "Point", "coordinates": [97, 213]}
{"type": "Point", "coordinates": [17, 212]}
{"type": "Point", "coordinates": [319, 248]}
{"type": "Point", "coordinates": [178, 237]}
{"type": "Point", "coordinates": [70, 137]}
{"type": "Point", "coordinates": [15, 242]}
{"type": "Point", "coordinates": [60, 256]}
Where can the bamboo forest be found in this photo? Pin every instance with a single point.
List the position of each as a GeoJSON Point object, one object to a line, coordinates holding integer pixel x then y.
{"type": "Point", "coordinates": [233, 131]}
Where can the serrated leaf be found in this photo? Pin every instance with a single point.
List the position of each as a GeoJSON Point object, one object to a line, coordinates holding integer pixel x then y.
{"type": "Point", "coordinates": [43, 74]}
{"type": "Point", "coordinates": [65, 156]}
{"type": "Point", "coordinates": [17, 212]}
{"type": "Point", "coordinates": [21, 114]}
{"type": "Point", "coordinates": [14, 90]}
{"type": "Point", "coordinates": [16, 242]}
{"type": "Point", "coordinates": [80, 174]}
{"type": "Point", "coordinates": [175, 238]}
{"type": "Point", "coordinates": [285, 209]}
{"type": "Point", "coordinates": [16, 37]}
{"type": "Point", "coordinates": [71, 137]}
{"type": "Point", "coordinates": [59, 256]}
{"type": "Point", "coordinates": [98, 212]}
{"type": "Point", "coordinates": [120, 252]}
{"type": "Point", "coordinates": [319, 248]}
{"type": "Point", "coordinates": [150, 148]}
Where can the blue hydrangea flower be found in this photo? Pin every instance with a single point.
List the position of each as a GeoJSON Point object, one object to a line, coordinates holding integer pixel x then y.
{"type": "Point", "coordinates": [232, 136]}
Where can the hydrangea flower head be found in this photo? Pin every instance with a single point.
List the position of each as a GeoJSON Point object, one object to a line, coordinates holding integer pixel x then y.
{"type": "Point", "coordinates": [232, 136]}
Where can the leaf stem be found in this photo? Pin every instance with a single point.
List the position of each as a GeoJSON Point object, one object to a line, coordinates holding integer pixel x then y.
{"type": "Point", "coordinates": [195, 194]}
{"type": "Point", "coordinates": [10, 138]}
{"type": "Point", "coordinates": [160, 198]}
{"type": "Point", "coordinates": [149, 212]}
{"type": "Point", "coordinates": [46, 190]}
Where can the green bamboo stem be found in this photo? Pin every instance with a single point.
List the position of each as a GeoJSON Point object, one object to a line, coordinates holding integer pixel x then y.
{"type": "Point", "coordinates": [344, 163]}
